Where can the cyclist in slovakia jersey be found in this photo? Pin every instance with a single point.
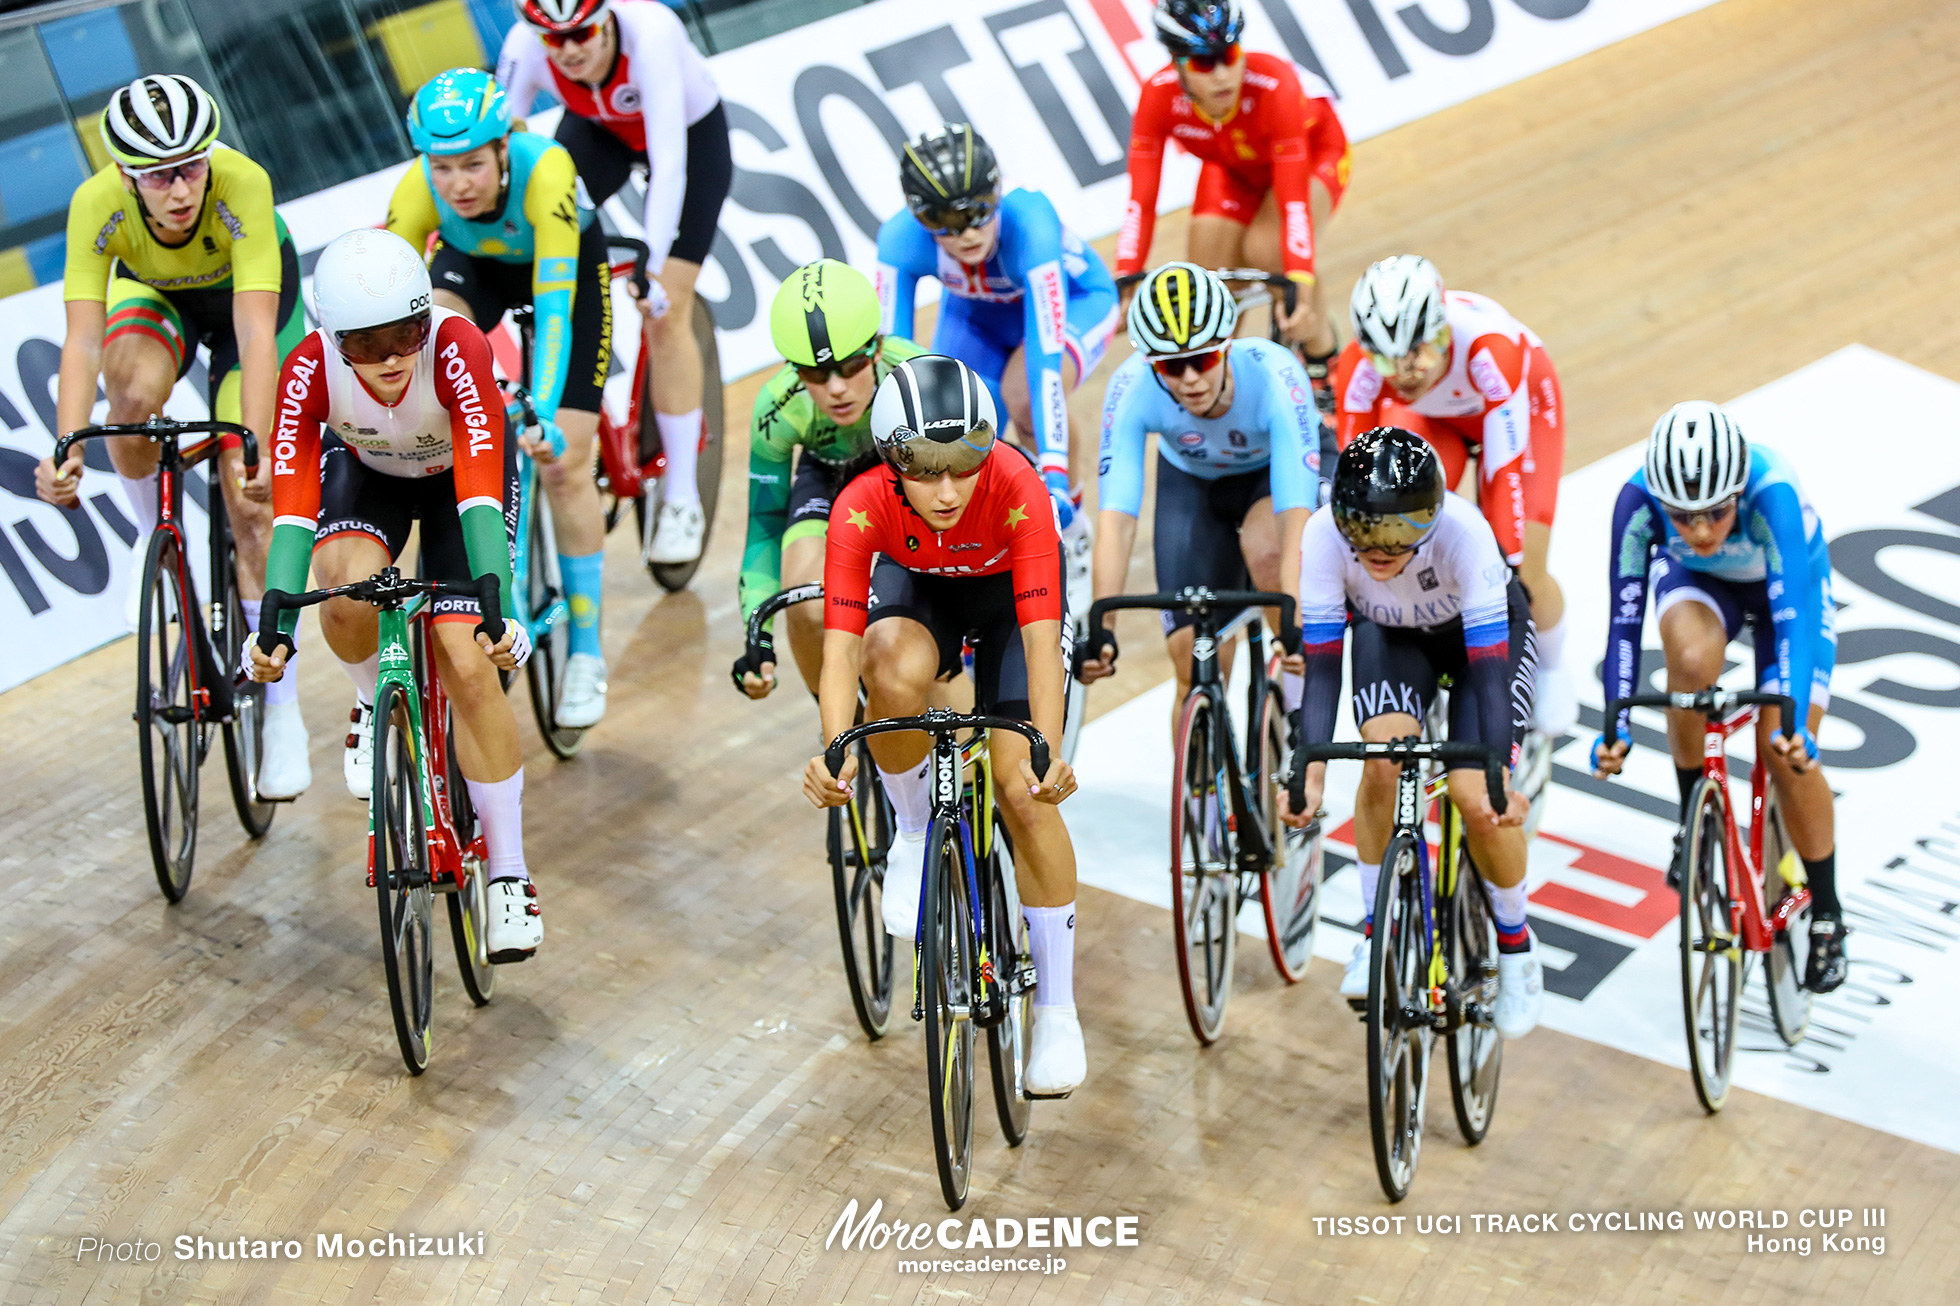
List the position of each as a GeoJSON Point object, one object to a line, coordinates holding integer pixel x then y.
{"type": "Point", "coordinates": [636, 92]}
{"type": "Point", "coordinates": [1459, 371]}
{"type": "Point", "coordinates": [969, 552]}
{"type": "Point", "coordinates": [389, 414]}
{"type": "Point", "coordinates": [1238, 459]}
{"type": "Point", "coordinates": [1417, 574]}
{"type": "Point", "coordinates": [173, 244]}
{"type": "Point", "coordinates": [1721, 531]}
{"type": "Point", "coordinates": [512, 233]}
{"type": "Point", "coordinates": [1266, 132]}
{"type": "Point", "coordinates": [825, 311]}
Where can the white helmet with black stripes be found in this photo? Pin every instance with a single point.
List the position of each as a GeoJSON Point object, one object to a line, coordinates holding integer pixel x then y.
{"type": "Point", "coordinates": [160, 117]}
{"type": "Point", "coordinates": [1696, 457]}
{"type": "Point", "coordinates": [1397, 305]}
{"type": "Point", "coordinates": [932, 415]}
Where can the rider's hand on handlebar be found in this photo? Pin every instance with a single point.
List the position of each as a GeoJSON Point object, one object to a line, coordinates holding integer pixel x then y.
{"type": "Point", "coordinates": [61, 488]}
{"type": "Point", "coordinates": [256, 489]}
{"type": "Point", "coordinates": [1310, 809]}
{"type": "Point", "coordinates": [1793, 750]}
{"type": "Point", "coordinates": [543, 443]}
{"type": "Point", "coordinates": [824, 791]}
{"type": "Point", "coordinates": [1052, 788]}
{"type": "Point", "coordinates": [1103, 664]}
{"type": "Point", "coordinates": [1293, 326]}
{"type": "Point", "coordinates": [759, 686]}
{"type": "Point", "coordinates": [510, 652]}
{"type": "Point", "coordinates": [1608, 758]}
{"type": "Point", "coordinates": [262, 668]}
{"type": "Point", "coordinates": [1516, 805]}
{"type": "Point", "coordinates": [654, 304]}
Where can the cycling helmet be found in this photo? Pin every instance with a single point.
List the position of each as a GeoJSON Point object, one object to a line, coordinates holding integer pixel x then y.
{"type": "Point", "coordinates": [1397, 304]}
{"type": "Point", "coordinates": [457, 111]}
{"type": "Point", "coordinates": [825, 311]}
{"type": "Point", "coordinates": [1696, 457]}
{"type": "Point", "coordinates": [156, 118]}
{"type": "Point", "coordinates": [1388, 490]}
{"type": "Point", "coordinates": [368, 277]}
{"type": "Point", "coordinates": [932, 415]}
{"type": "Point", "coordinates": [1181, 309]}
{"type": "Point", "coordinates": [562, 15]}
{"type": "Point", "coordinates": [949, 169]}
{"type": "Point", "coordinates": [1199, 27]}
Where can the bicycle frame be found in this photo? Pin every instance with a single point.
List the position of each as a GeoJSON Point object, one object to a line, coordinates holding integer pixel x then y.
{"type": "Point", "coordinates": [529, 504]}
{"type": "Point", "coordinates": [1207, 669]}
{"type": "Point", "coordinates": [1746, 920]}
{"type": "Point", "coordinates": [426, 702]}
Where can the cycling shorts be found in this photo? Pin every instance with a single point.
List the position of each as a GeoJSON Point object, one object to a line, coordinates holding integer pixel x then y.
{"type": "Point", "coordinates": [604, 162]}
{"type": "Point", "coordinates": [1455, 439]}
{"type": "Point", "coordinates": [957, 610]}
{"type": "Point", "coordinates": [983, 334]}
{"type": "Point", "coordinates": [1395, 669]}
{"type": "Point", "coordinates": [1195, 534]}
{"type": "Point", "coordinates": [492, 287]}
{"type": "Point", "coordinates": [355, 499]}
{"type": "Point", "coordinates": [812, 488]}
{"type": "Point", "coordinates": [1744, 605]}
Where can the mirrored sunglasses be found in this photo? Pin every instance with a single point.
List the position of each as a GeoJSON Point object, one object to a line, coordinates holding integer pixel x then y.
{"type": "Point", "coordinates": [1705, 517]}
{"type": "Point", "coordinates": [378, 344]}
{"type": "Point", "coordinates": [1211, 63]}
{"type": "Point", "coordinates": [846, 367]}
{"type": "Point", "coordinates": [577, 36]}
{"type": "Point", "coordinates": [1176, 367]}
{"type": "Point", "coordinates": [954, 219]}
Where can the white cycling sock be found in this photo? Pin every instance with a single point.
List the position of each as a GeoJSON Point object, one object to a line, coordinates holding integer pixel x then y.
{"type": "Point", "coordinates": [500, 807]}
{"type": "Point", "coordinates": [364, 674]}
{"type": "Point", "coordinates": [1551, 645]}
{"type": "Point", "coordinates": [1507, 905]}
{"type": "Point", "coordinates": [680, 436]}
{"type": "Point", "coordinates": [1370, 872]}
{"type": "Point", "coordinates": [1051, 941]}
{"type": "Point", "coordinates": [286, 688]}
{"type": "Point", "coordinates": [141, 492]}
{"type": "Point", "coordinates": [910, 796]}
{"type": "Point", "coordinates": [1292, 688]}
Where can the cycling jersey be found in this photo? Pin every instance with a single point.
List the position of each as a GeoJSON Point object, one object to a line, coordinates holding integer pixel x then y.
{"type": "Point", "coordinates": [1499, 397]}
{"type": "Point", "coordinates": [786, 418]}
{"type": "Point", "coordinates": [1283, 134]}
{"type": "Point", "coordinates": [658, 87]}
{"type": "Point", "coordinates": [1008, 526]}
{"type": "Point", "coordinates": [542, 229]}
{"type": "Point", "coordinates": [1065, 297]}
{"type": "Point", "coordinates": [234, 246]}
{"type": "Point", "coordinates": [1777, 541]}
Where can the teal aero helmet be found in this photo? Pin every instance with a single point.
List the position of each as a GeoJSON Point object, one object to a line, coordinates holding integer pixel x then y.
{"type": "Point", "coordinates": [457, 111]}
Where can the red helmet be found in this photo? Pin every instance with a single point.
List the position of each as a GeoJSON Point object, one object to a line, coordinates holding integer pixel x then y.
{"type": "Point", "coordinates": [563, 15]}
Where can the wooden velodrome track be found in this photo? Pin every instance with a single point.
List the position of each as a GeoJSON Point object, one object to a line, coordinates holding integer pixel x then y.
{"type": "Point", "coordinates": [674, 1103]}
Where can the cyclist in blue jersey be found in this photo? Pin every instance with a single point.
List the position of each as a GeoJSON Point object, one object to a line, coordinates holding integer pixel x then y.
{"type": "Point", "coordinates": [1239, 446]}
{"type": "Point", "coordinates": [1722, 532]}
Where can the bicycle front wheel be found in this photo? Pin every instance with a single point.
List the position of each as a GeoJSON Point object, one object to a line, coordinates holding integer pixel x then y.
{"type": "Point", "coordinates": [947, 973]}
{"type": "Point", "coordinates": [1789, 952]}
{"type": "Point", "coordinates": [1204, 868]}
{"type": "Point", "coordinates": [1011, 966]}
{"type": "Point", "coordinates": [1476, 1051]}
{"type": "Point", "coordinates": [551, 646]}
{"type": "Point", "coordinates": [400, 841]}
{"type": "Point", "coordinates": [469, 905]}
{"type": "Point", "coordinates": [858, 840]}
{"type": "Point", "coordinates": [245, 731]}
{"type": "Point", "coordinates": [1399, 1031]}
{"type": "Point", "coordinates": [1289, 892]}
{"type": "Point", "coordinates": [1711, 954]}
{"type": "Point", "coordinates": [707, 474]}
{"type": "Point", "coordinates": [166, 728]}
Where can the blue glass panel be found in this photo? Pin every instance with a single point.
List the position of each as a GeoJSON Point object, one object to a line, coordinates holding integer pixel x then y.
{"type": "Point", "coordinates": [47, 257]}
{"type": "Point", "coordinates": [39, 171]}
{"type": "Point", "coordinates": [90, 52]}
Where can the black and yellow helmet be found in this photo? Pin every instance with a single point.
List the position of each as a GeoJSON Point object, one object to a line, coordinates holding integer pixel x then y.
{"type": "Point", "coordinates": [1181, 309]}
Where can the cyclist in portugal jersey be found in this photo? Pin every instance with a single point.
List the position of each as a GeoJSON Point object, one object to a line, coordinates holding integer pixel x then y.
{"type": "Point", "coordinates": [389, 415]}
{"type": "Point", "coordinates": [970, 551]}
{"type": "Point", "coordinates": [1466, 376]}
{"type": "Point", "coordinates": [636, 92]}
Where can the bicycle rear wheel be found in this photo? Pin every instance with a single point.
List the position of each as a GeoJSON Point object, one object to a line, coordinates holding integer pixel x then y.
{"type": "Point", "coordinates": [1789, 952]}
{"type": "Point", "coordinates": [858, 839]}
{"type": "Point", "coordinates": [707, 475]}
{"type": "Point", "coordinates": [1011, 964]}
{"type": "Point", "coordinates": [1711, 955]}
{"type": "Point", "coordinates": [400, 841]}
{"type": "Point", "coordinates": [1399, 1033]}
{"type": "Point", "coordinates": [1289, 891]}
{"type": "Point", "coordinates": [245, 731]}
{"type": "Point", "coordinates": [1204, 869]}
{"type": "Point", "coordinates": [166, 730]}
{"type": "Point", "coordinates": [551, 647]}
{"type": "Point", "coordinates": [469, 905]}
{"type": "Point", "coordinates": [947, 973]}
{"type": "Point", "coordinates": [1476, 1051]}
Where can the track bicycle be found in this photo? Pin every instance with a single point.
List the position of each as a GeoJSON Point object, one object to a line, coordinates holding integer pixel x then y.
{"type": "Point", "coordinates": [423, 838]}
{"type": "Point", "coordinates": [971, 953]}
{"type": "Point", "coordinates": [1737, 902]}
{"type": "Point", "coordinates": [857, 840]}
{"type": "Point", "coordinates": [188, 676]}
{"type": "Point", "coordinates": [1228, 844]}
{"type": "Point", "coordinates": [538, 585]}
{"type": "Point", "coordinates": [1432, 965]}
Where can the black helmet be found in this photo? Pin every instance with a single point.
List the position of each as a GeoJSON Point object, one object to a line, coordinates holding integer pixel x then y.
{"type": "Point", "coordinates": [1195, 28]}
{"type": "Point", "coordinates": [950, 178]}
{"type": "Point", "coordinates": [933, 415]}
{"type": "Point", "coordinates": [1388, 490]}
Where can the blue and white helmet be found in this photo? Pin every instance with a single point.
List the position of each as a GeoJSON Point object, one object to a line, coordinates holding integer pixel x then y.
{"type": "Point", "coordinates": [1199, 27]}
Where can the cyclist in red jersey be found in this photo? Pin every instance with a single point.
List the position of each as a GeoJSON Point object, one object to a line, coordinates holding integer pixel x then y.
{"type": "Point", "coordinates": [970, 551]}
{"type": "Point", "coordinates": [1471, 380]}
{"type": "Point", "coordinates": [1266, 132]}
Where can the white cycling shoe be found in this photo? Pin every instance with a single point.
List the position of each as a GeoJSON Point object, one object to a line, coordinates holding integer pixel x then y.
{"type": "Point", "coordinates": [905, 873]}
{"type": "Point", "coordinates": [357, 757]}
{"type": "Point", "coordinates": [284, 769]}
{"type": "Point", "coordinates": [1520, 992]}
{"type": "Point", "coordinates": [1555, 703]}
{"type": "Point", "coordinates": [582, 701]}
{"type": "Point", "coordinates": [1354, 976]}
{"type": "Point", "coordinates": [516, 925]}
{"type": "Point", "coordinates": [677, 533]}
{"type": "Point", "coordinates": [1057, 1062]}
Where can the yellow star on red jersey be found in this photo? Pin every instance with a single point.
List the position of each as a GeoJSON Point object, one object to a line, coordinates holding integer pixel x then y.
{"type": "Point", "coordinates": [1016, 515]}
{"type": "Point", "coordinates": [858, 519]}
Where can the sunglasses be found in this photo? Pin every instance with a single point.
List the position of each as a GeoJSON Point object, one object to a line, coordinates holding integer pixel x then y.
{"type": "Point", "coordinates": [1176, 367]}
{"type": "Point", "coordinates": [954, 219]}
{"type": "Point", "coordinates": [402, 338]}
{"type": "Point", "coordinates": [164, 175]}
{"type": "Point", "coordinates": [1210, 63]}
{"type": "Point", "coordinates": [1705, 517]}
{"type": "Point", "coordinates": [847, 367]}
{"type": "Point", "coordinates": [577, 36]}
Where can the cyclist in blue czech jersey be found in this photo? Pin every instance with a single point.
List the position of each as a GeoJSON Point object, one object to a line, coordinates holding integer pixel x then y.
{"type": "Point", "coordinates": [512, 233]}
{"type": "Point", "coordinates": [1239, 458]}
{"type": "Point", "coordinates": [1721, 531]}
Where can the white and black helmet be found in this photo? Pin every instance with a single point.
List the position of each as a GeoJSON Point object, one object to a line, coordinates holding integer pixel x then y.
{"type": "Point", "coordinates": [159, 117]}
{"type": "Point", "coordinates": [1696, 457]}
{"type": "Point", "coordinates": [933, 415]}
{"type": "Point", "coordinates": [1180, 308]}
{"type": "Point", "coordinates": [1397, 305]}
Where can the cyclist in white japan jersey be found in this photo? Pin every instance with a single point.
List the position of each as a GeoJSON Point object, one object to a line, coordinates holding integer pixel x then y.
{"type": "Point", "coordinates": [635, 91]}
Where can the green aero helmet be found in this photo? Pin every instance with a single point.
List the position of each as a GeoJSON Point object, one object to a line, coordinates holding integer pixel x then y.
{"type": "Point", "coordinates": [825, 311]}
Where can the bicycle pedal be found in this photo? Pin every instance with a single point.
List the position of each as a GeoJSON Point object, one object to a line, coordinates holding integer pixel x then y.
{"type": "Point", "coordinates": [1045, 1097]}
{"type": "Point", "coordinates": [510, 956]}
{"type": "Point", "coordinates": [1359, 1006]}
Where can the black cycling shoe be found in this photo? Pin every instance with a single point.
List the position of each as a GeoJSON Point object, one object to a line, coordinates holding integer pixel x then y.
{"type": "Point", "coordinates": [1677, 863]}
{"type": "Point", "coordinates": [1828, 965]}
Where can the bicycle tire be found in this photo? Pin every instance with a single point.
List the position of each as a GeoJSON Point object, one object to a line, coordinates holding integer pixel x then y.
{"type": "Point", "coordinates": [1074, 705]}
{"type": "Point", "coordinates": [167, 747]}
{"type": "Point", "coordinates": [544, 670]}
{"type": "Point", "coordinates": [946, 971]}
{"type": "Point", "coordinates": [1711, 961]}
{"type": "Point", "coordinates": [469, 905]}
{"type": "Point", "coordinates": [1476, 1050]}
{"type": "Point", "coordinates": [674, 576]}
{"type": "Point", "coordinates": [1398, 1047]}
{"type": "Point", "coordinates": [1789, 952]}
{"type": "Point", "coordinates": [244, 732]}
{"type": "Point", "coordinates": [401, 878]}
{"type": "Point", "coordinates": [857, 878]}
{"type": "Point", "coordinates": [1008, 1038]}
{"type": "Point", "coordinates": [1204, 874]}
{"type": "Point", "coordinates": [1289, 891]}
